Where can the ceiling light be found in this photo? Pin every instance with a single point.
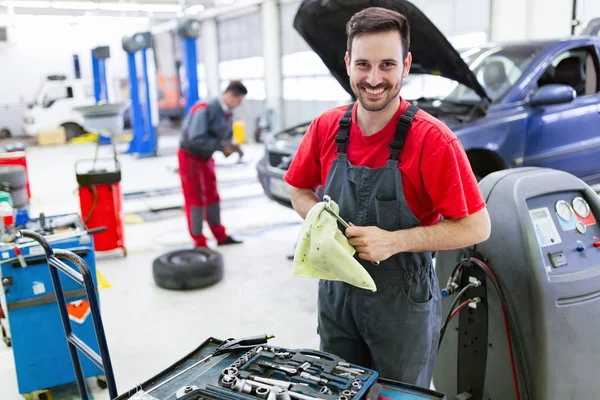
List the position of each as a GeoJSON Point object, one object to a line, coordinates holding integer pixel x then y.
{"type": "Point", "coordinates": [195, 9]}
{"type": "Point", "coordinates": [26, 4]}
{"type": "Point", "coordinates": [72, 5]}
{"type": "Point", "coordinates": [119, 7]}
{"type": "Point", "coordinates": [167, 8]}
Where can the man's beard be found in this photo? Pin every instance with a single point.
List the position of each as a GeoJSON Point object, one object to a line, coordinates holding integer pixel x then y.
{"type": "Point", "coordinates": [375, 104]}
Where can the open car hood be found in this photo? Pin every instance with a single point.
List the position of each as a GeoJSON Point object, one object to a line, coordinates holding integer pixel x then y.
{"type": "Point", "coordinates": [322, 24]}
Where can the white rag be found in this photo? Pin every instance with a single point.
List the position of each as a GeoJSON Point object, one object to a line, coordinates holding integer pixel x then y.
{"type": "Point", "coordinates": [323, 251]}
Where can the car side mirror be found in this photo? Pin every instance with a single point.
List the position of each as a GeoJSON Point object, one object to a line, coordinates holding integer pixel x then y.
{"type": "Point", "coordinates": [552, 94]}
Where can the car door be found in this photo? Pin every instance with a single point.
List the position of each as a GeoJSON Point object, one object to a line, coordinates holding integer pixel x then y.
{"type": "Point", "coordinates": [567, 136]}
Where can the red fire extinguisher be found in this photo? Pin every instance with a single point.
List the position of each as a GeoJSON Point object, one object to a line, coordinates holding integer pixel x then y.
{"type": "Point", "coordinates": [101, 204]}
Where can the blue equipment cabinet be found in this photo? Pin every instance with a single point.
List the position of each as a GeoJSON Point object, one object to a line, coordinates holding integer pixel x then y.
{"type": "Point", "coordinates": [40, 349]}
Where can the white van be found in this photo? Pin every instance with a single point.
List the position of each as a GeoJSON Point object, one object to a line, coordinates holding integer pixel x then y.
{"type": "Point", "coordinates": [53, 106]}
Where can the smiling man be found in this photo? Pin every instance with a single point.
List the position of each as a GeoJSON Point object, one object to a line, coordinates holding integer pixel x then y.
{"type": "Point", "coordinates": [403, 180]}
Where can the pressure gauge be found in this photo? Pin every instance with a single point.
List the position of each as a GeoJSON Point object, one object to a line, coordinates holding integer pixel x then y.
{"type": "Point", "coordinates": [582, 208]}
{"type": "Point", "coordinates": [581, 228]}
{"type": "Point", "coordinates": [564, 210]}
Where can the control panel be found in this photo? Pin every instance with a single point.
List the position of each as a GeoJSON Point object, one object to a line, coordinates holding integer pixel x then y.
{"type": "Point", "coordinates": [567, 231]}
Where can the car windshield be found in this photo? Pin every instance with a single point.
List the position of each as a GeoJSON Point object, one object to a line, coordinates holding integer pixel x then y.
{"type": "Point", "coordinates": [497, 69]}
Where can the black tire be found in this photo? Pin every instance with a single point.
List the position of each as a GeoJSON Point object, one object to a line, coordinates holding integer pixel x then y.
{"type": "Point", "coordinates": [72, 130]}
{"type": "Point", "coordinates": [12, 177]}
{"type": "Point", "coordinates": [188, 269]}
{"type": "Point", "coordinates": [4, 133]}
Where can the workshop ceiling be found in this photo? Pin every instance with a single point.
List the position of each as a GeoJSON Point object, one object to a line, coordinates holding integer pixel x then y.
{"type": "Point", "coordinates": [154, 9]}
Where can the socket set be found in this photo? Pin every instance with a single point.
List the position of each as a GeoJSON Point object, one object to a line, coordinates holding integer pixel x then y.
{"type": "Point", "coordinates": [272, 373]}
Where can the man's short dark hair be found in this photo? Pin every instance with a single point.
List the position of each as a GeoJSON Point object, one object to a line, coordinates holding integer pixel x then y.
{"type": "Point", "coordinates": [375, 20]}
{"type": "Point", "coordinates": [237, 88]}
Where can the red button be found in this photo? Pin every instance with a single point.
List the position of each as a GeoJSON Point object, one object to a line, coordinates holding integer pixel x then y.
{"type": "Point", "coordinates": [596, 244]}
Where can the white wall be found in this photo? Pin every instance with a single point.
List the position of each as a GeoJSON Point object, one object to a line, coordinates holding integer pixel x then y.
{"type": "Point", "coordinates": [515, 20]}
{"type": "Point", "coordinates": [587, 10]}
{"type": "Point", "coordinates": [46, 45]}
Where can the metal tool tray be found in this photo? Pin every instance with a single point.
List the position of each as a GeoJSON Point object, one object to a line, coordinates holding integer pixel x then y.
{"type": "Point", "coordinates": [206, 377]}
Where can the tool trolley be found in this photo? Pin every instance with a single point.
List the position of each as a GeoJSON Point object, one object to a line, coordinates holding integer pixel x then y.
{"type": "Point", "coordinates": [242, 369]}
{"type": "Point", "coordinates": [33, 326]}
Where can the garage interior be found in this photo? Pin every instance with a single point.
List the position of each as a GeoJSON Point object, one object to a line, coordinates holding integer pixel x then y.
{"type": "Point", "coordinates": [66, 57]}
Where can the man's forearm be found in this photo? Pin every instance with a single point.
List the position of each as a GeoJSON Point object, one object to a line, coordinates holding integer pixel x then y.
{"type": "Point", "coordinates": [445, 235]}
{"type": "Point", "coordinates": [303, 200]}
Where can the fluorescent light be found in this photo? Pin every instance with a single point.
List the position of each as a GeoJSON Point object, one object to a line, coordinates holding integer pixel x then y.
{"type": "Point", "coordinates": [119, 7]}
{"type": "Point", "coordinates": [195, 9]}
{"type": "Point", "coordinates": [72, 5]}
{"type": "Point", "coordinates": [167, 8]}
{"type": "Point", "coordinates": [26, 4]}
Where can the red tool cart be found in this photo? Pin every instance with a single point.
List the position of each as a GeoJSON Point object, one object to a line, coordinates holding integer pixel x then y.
{"type": "Point", "coordinates": [100, 195]}
{"type": "Point", "coordinates": [101, 202]}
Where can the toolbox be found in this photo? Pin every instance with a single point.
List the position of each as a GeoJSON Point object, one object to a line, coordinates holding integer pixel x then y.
{"type": "Point", "coordinates": [268, 372]}
{"type": "Point", "coordinates": [28, 297]}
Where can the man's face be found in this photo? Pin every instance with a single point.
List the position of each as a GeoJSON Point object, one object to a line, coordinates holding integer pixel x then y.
{"type": "Point", "coordinates": [377, 69]}
{"type": "Point", "coordinates": [233, 101]}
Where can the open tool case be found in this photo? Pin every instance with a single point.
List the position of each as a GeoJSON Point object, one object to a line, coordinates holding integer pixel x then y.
{"type": "Point", "coordinates": [270, 372]}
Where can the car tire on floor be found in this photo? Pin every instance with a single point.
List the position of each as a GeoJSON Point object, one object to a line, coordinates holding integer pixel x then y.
{"type": "Point", "coordinates": [188, 269]}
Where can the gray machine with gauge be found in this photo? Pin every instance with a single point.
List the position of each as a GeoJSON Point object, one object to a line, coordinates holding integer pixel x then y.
{"type": "Point", "coordinates": [544, 251]}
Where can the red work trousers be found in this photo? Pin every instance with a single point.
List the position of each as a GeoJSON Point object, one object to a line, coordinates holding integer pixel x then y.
{"type": "Point", "coordinates": [202, 201]}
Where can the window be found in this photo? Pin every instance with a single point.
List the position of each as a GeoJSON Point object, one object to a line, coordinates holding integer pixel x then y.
{"type": "Point", "coordinates": [53, 94]}
{"type": "Point", "coordinates": [577, 68]}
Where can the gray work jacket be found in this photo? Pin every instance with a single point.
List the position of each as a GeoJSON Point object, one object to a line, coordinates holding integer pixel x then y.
{"type": "Point", "coordinates": [205, 129]}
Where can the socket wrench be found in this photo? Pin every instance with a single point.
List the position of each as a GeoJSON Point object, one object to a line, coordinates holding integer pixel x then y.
{"type": "Point", "coordinates": [287, 370]}
{"type": "Point", "coordinates": [325, 390]}
{"type": "Point", "coordinates": [277, 389]}
{"type": "Point", "coordinates": [283, 395]}
{"type": "Point", "coordinates": [274, 382]}
{"type": "Point", "coordinates": [227, 381]}
{"type": "Point", "coordinates": [313, 378]}
{"type": "Point", "coordinates": [230, 371]}
{"type": "Point", "coordinates": [262, 392]}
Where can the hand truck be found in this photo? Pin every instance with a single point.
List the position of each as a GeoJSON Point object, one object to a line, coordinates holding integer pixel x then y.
{"type": "Point", "coordinates": [84, 278]}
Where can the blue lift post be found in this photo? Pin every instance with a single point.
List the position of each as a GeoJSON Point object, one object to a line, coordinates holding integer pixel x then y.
{"type": "Point", "coordinates": [143, 142]}
{"type": "Point", "coordinates": [99, 56]}
{"type": "Point", "coordinates": [189, 30]}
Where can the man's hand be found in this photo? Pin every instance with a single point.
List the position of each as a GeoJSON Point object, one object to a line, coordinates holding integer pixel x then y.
{"type": "Point", "coordinates": [371, 243]}
{"type": "Point", "coordinates": [229, 149]}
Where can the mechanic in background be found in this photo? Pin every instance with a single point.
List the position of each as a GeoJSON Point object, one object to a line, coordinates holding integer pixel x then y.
{"type": "Point", "coordinates": [206, 129]}
{"type": "Point", "coordinates": [395, 171]}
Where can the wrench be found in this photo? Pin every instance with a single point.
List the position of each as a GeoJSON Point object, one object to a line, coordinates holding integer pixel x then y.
{"type": "Point", "coordinates": [327, 200]}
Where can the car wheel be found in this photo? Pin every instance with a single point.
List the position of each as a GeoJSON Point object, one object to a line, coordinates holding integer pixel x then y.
{"type": "Point", "coordinates": [188, 269]}
{"type": "Point", "coordinates": [4, 133]}
{"type": "Point", "coordinates": [72, 130]}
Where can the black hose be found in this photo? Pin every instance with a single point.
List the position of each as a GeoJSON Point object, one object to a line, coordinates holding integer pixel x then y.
{"type": "Point", "coordinates": [94, 204]}
{"type": "Point", "coordinates": [511, 327]}
{"type": "Point", "coordinates": [454, 303]}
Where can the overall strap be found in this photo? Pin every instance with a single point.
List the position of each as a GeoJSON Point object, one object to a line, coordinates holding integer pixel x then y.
{"type": "Point", "coordinates": [342, 137]}
{"type": "Point", "coordinates": [404, 123]}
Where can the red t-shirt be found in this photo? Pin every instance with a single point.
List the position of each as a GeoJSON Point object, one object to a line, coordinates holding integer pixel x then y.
{"type": "Point", "coordinates": [436, 175]}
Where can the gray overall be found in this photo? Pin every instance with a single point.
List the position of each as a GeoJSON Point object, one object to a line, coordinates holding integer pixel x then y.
{"type": "Point", "coordinates": [396, 329]}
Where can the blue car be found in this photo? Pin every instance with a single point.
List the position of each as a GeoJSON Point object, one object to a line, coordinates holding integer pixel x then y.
{"type": "Point", "coordinates": [534, 103]}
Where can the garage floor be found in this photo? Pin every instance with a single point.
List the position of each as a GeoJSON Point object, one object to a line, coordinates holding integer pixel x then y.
{"type": "Point", "coordinates": [149, 328]}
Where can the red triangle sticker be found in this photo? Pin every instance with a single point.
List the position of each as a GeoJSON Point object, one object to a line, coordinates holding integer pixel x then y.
{"type": "Point", "coordinates": [79, 310]}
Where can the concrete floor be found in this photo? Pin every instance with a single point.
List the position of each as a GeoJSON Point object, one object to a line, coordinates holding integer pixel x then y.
{"type": "Point", "coordinates": [149, 328]}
